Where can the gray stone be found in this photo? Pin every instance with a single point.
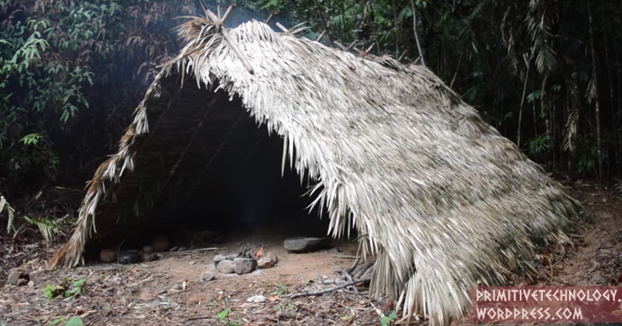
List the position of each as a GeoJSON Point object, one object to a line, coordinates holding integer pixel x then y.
{"type": "Point", "coordinates": [306, 244]}
{"type": "Point", "coordinates": [15, 275]}
{"type": "Point", "coordinates": [226, 267]}
{"type": "Point", "coordinates": [219, 258]}
{"type": "Point", "coordinates": [207, 276]}
{"type": "Point", "coordinates": [244, 265]}
{"type": "Point", "coordinates": [599, 279]}
{"type": "Point", "coordinates": [267, 260]}
{"type": "Point", "coordinates": [232, 256]}
{"type": "Point", "coordinates": [256, 299]}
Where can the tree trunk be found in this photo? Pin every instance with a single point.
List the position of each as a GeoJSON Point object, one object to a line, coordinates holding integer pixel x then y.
{"type": "Point", "coordinates": [412, 3]}
{"type": "Point", "coordinates": [595, 97]}
{"type": "Point", "coordinates": [522, 100]}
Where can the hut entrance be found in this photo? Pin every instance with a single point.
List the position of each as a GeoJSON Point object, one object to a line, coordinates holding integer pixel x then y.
{"type": "Point", "coordinates": [206, 169]}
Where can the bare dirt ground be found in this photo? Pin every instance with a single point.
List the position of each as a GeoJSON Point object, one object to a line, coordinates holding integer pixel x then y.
{"type": "Point", "coordinates": [169, 291]}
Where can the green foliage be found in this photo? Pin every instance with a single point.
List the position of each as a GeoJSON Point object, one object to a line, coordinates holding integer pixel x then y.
{"type": "Point", "coordinates": [72, 71]}
{"type": "Point", "coordinates": [66, 289]}
{"type": "Point", "coordinates": [280, 290]}
{"type": "Point", "coordinates": [50, 228]}
{"type": "Point", "coordinates": [56, 59]}
{"type": "Point", "coordinates": [31, 139]}
{"type": "Point", "coordinates": [74, 321]}
{"type": "Point", "coordinates": [223, 318]}
{"type": "Point", "coordinates": [5, 207]}
{"type": "Point", "coordinates": [388, 320]}
{"type": "Point", "coordinates": [538, 145]}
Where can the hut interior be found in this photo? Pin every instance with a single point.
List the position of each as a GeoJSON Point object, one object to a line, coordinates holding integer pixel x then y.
{"type": "Point", "coordinates": [206, 165]}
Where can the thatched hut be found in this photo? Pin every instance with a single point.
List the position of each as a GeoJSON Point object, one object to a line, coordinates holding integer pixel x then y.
{"type": "Point", "coordinates": [440, 197]}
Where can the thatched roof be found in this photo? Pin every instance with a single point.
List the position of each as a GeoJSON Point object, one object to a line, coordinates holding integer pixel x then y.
{"type": "Point", "coordinates": [444, 200]}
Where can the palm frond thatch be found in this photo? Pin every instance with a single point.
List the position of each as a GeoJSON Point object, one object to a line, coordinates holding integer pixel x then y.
{"type": "Point", "coordinates": [444, 199]}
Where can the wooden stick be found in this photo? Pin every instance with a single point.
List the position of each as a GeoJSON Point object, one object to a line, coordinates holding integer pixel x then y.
{"type": "Point", "coordinates": [225, 34]}
{"type": "Point", "coordinates": [402, 56]}
{"type": "Point", "coordinates": [321, 35]}
{"type": "Point", "coordinates": [228, 13]}
{"type": "Point", "coordinates": [272, 14]}
{"type": "Point", "coordinates": [343, 48]}
{"type": "Point", "coordinates": [344, 256]}
{"type": "Point", "coordinates": [323, 20]}
{"type": "Point", "coordinates": [282, 27]}
{"type": "Point", "coordinates": [296, 31]}
{"type": "Point", "coordinates": [369, 48]}
{"type": "Point", "coordinates": [352, 44]}
{"type": "Point", "coordinates": [349, 277]}
{"type": "Point", "coordinates": [351, 268]}
{"type": "Point", "coordinates": [341, 286]}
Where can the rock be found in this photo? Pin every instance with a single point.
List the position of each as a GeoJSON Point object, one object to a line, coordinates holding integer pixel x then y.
{"type": "Point", "coordinates": [599, 279]}
{"type": "Point", "coordinates": [17, 274]}
{"type": "Point", "coordinates": [150, 256]}
{"type": "Point", "coordinates": [129, 257]}
{"type": "Point", "coordinates": [244, 265]}
{"type": "Point", "coordinates": [267, 260]}
{"type": "Point", "coordinates": [232, 256]}
{"type": "Point", "coordinates": [256, 299]}
{"type": "Point", "coordinates": [219, 258]}
{"type": "Point", "coordinates": [108, 255]}
{"type": "Point", "coordinates": [207, 276]}
{"type": "Point", "coordinates": [31, 284]}
{"type": "Point", "coordinates": [334, 251]}
{"type": "Point", "coordinates": [301, 245]}
{"type": "Point", "coordinates": [161, 244]}
{"type": "Point", "coordinates": [286, 314]}
{"type": "Point", "coordinates": [226, 267]}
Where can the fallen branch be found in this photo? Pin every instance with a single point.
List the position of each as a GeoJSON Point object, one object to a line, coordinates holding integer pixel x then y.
{"type": "Point", "coordinates": [349, 278]}
{"type": "Point", "coordinates": [195, 250]}
{"type": "Point", "coordinates": [306, 294]}
{"type": "Point", "coordinates": [345, 256]}
{"type": "Point", "coordinates": [351, 268]}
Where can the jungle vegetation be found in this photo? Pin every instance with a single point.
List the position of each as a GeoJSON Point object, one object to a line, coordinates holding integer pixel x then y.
{"type": "Point", "coordinates": [545, 73]}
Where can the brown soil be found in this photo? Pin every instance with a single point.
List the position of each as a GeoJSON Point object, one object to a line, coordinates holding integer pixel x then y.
{"type": "Point", "coordinates": [168, 291]}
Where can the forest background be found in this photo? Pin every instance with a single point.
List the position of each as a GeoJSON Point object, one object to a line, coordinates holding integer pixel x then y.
{"type": "Point", "coordinates": [545, 73]}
